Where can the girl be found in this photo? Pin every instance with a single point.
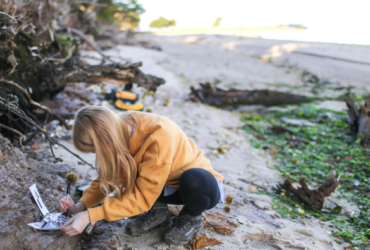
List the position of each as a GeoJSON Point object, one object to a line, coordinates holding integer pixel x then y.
{"type": "Point", "coordinates": [149, 162]}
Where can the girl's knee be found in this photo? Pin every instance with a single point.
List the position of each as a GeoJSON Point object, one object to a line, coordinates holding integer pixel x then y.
{"type": "Point", "coordinates": [198, 173]}
{"type": "Point", "coordinates": [196, 178]}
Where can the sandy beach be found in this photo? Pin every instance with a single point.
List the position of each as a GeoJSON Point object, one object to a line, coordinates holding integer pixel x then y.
{"type": "Point", "coordinates": [243, 63]}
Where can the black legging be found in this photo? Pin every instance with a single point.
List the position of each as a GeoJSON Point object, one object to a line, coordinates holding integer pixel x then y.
{"type": "Point", "coordinates": [198, 191]}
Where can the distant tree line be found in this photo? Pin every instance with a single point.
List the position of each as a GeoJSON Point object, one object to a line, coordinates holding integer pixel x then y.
{"type": "Point", "coordinates": [162, 22]}
{"type": "Point", "coordinates": [217, 23]}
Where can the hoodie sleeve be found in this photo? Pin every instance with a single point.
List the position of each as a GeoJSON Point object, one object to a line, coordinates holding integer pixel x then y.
{"type": "Point", "coordinates": [92, 196]}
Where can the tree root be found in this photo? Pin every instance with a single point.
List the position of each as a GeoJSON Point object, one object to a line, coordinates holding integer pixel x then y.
{"type": "Point", "coordinates": [313, 198]}
{"type": "Point", "coordinates": [21, 136]}
{"type": "Point", "coordinates": [13, 108]}
{"type": "Point", "coordinates": [36, 104]}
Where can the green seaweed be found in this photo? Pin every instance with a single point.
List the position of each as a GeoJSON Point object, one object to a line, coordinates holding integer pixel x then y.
{"type": "Point", "coordinates": [311, 152]}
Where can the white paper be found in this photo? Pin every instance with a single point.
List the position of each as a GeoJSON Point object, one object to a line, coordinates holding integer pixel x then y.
{"type": "Point", "coordinates": [36, 195]}
{"type": "Point", "coordinates": [52, 221]}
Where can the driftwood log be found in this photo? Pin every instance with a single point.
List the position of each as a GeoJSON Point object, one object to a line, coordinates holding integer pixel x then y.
{"type": "Point", "coordinates": [217, 97]}
{"type": "Point", "coordinates": [359, 119]}
{"type": "Point", "coordinates": [313, 198]}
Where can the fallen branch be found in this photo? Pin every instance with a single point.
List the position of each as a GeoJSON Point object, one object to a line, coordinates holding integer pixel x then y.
{"type": "Point", "coordinates": [7, 15]}
{"type": "Point", "coordinates": [221, 98]}
{"type": "Point", "coordinates": [313, 198]}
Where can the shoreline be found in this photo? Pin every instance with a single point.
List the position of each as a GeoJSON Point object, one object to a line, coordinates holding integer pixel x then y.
{"type": "Point", "coordinates": [345, 36]}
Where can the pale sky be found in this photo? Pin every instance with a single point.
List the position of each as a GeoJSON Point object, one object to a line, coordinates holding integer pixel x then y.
{"type": "Point", "coordinates": [257, 13]}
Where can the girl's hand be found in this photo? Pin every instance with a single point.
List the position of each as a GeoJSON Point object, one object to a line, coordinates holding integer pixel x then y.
{"type": "Point", "coordinates": [76, 224]}
{"type": "Point", "coordinates": [72, 208]}
{"type": "Point", "coordinates": [64, 204]}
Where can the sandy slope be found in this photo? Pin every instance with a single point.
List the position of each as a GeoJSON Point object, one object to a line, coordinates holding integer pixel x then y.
{"type": "Point", "coordinates": [237, 60]}
{"type": "Point", "coordinates": [186, 61]}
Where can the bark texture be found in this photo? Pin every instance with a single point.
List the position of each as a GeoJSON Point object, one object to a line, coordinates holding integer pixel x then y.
{"type": "Point", "coordinates": [221, 98]}
{"type": "Point", "coordinates": [359, 119]}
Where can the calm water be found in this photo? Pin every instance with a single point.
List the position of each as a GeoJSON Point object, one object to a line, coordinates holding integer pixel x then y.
{"type": "Point", "coordinates": [359, 36]}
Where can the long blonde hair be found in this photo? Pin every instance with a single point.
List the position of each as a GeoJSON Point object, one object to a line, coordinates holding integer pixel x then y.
{"type": "Point", "coordinates": [99, 129]}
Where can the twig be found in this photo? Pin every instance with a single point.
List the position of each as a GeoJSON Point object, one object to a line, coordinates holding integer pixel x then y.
{"type": "Point", "coordinates": [5, 14]}
{"type": "Point", "coordinates": [17, 111]}
{"type": "Point", "coordinates": [60, 118]}
{"type": "Point", "coordinates": [27, 94]}
{"type": "Point", "coordinates": [21, 136]}
{"type": "Point", "coordinates": [15, 121]}
{"type": "Point", "coordinates": [35, 103]}
{"type": "Point", "coordinates": [30, 137]}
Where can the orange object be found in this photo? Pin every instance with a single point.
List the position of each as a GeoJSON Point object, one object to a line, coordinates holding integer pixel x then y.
{"type": "Point", "coordinates": [36, 146]}
{"type": "Point", "coordinates": [134, 107]}
{"type": "Point", "coordinates": [272, 150]}
{"type": "Point", "coordinates": [126, 95]}
{"type": "Point", "coordinates": [348, 157]}
{"type": "Point", "coordinates": [201, 241]}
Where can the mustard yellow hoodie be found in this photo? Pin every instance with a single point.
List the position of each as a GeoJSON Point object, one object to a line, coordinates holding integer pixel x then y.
{"type": "Point", "coordinates": [162, 153]}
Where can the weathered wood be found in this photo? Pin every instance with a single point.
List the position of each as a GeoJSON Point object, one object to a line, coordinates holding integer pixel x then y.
{"type": "Point", "coordinates": [313, 198]}
{"type": "Point", "coordinates": [359, 119]}
{"type": "Point", "coordinates": [353, 114]}
{"type": "Point", "coordinates": [364, 125]}
{"type": "Point", "coordinates": [217, 97]}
